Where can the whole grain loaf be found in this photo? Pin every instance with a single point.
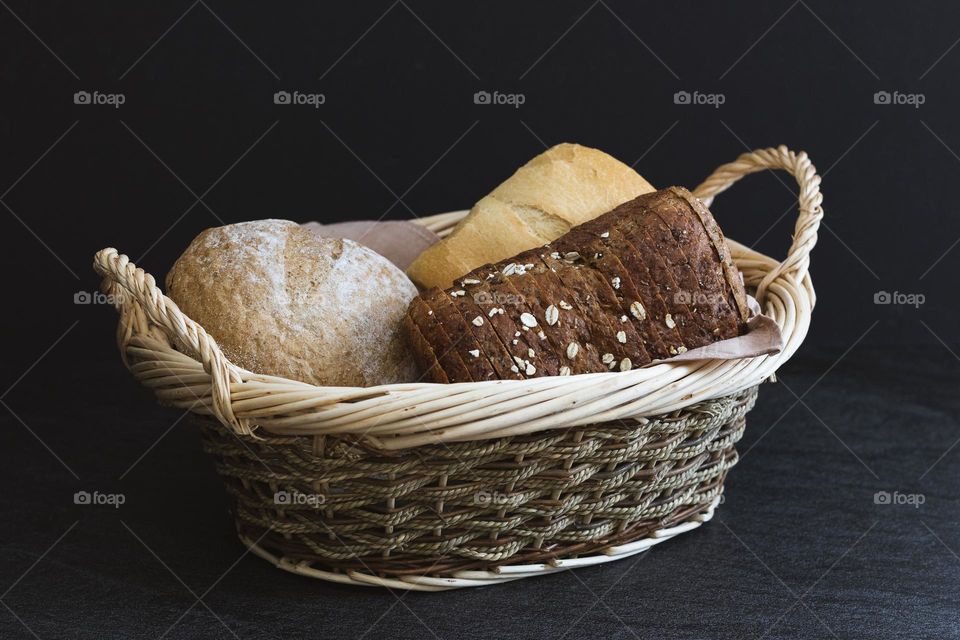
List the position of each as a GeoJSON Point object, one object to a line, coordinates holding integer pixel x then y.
{"type": "Point", "coordinates": [644, 282]}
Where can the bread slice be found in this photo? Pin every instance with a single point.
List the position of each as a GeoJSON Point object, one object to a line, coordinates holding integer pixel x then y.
{"type": "Point", "coordinates": [688, 287]}
{"type": "Point", "coordinates": [492, 304]}
{"type": "Point", "coordinates": [673, 292]}
{"type": "Point", "coordinates": [710, 297]}
{"type": "Point", "coordinates": [561, 188]}
{"type": "Point", "coordinates": [577, 349]}
{"type": "Point", "coordinates": [423, 355]}
{"type": "Point", "coordinates": [611, 285]}
{"type": "Point", "coordinates": [556, 325]}
{"type": "Point", "coordinates": [594, 331]}
{"type": "Point", "coordinates": [645, 304]}
{"type": "Point", "coordinates": [444, 348]}
{"type": "Point", "coordinates": [719, 244]}
{"type": "Point", "coordinates": [604, 310]}
{"type": "Point", "coordinates": [633, 226]}
{"type": "Point", "coordinates": [528, 316]}
{"type": "Point", "coordinates": [471, 352]}
{"type": "Point", "coordinates": [486, 336]}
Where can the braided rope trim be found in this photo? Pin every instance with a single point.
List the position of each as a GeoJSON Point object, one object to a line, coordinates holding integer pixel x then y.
{"type": "Point", "coordinates": [175, 357]}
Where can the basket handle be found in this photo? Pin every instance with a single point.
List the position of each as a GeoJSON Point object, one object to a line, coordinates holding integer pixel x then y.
{"type": "Point", "coordinates": [117, 270]}
{"type": "Point", "coordinates": [797, 262]}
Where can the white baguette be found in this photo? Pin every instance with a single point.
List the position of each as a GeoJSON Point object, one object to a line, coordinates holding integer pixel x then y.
{"type": "Point", "coordinates": [562, 187]}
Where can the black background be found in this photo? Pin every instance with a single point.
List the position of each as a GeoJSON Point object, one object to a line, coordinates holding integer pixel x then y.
{"type": "Point", "coordinates": [200, 142]}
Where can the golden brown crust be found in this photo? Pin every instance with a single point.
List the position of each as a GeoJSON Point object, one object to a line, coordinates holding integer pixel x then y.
{"type": "Point", "coordinates": [565, 186]}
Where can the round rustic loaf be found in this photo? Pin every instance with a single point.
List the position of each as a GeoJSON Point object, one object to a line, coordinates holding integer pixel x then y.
{"type": "Point", "coordinates": [281, 300]}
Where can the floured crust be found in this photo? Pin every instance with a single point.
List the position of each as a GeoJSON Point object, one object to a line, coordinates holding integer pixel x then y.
{"type": "Point", "coordinates": [280, 300]}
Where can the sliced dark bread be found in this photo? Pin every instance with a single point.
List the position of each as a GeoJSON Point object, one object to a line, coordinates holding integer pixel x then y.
{"type": "Point", "coordinates": [561, 321]}
{"type": "Point", "coordinates": [485, 334]}
{"type": "Point", "coordinates": [604, 309]}
{"type": "Point", "coordinates": [610, 275]}
{"type": "Point", "coordinates": [529, 314]}
{"type": "Point", "coordinates": [636, 285]}
{"type": "Point", "coordinates": [694, 244]}
{"type": "Point", "coordinates": [492, 304]}
{"type": "Point", "coordinates": [652, 306]}
{"type": "Point", "coordinates": [687, 290]}
{"type": "Point", "coordinates": [719, 244]}
{"type": "Point", "coordinates": [648, 280]}
{"type": "Point", "coordinates": [470, 350]}
{"type": "Point", "coordinates": [432, 330]}
{"type": "Point", "coordinates": [578, 349]}
{"type": "Point", "coordinates": [423, 354]}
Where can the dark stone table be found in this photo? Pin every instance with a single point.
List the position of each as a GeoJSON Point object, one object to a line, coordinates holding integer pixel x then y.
{"type": "Point", "coordinates": [839, 521]}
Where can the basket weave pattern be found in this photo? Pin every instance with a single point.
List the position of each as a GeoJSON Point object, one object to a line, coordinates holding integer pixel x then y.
{"type": "Point", "coordinates": [429, 486]}
{"type": "Point", "coordinates": [443, 509]}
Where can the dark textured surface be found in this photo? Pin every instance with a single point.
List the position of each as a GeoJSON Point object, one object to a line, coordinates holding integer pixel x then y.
{"type": "Point", "coordinates": [799, 521]}
{"type": "Point", "coordinates": [400, 135]}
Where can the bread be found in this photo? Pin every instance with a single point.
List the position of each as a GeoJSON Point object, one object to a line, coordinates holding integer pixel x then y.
{"type": "Point", "coordinates": [562, 187]}
{"type": "Point", "coordinates": [281, 300]}
{"type": "Point", "coordinates": [646, 281]}
{"type": "Point", "coordinates": [485, 333]}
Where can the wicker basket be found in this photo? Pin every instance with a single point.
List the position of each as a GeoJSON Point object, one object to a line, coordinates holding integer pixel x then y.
{"type": "Point", "coordinates": [430, 487]}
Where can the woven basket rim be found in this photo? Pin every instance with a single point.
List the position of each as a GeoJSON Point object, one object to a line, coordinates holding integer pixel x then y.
{"type": "Point", "coordinates": [175, 357]}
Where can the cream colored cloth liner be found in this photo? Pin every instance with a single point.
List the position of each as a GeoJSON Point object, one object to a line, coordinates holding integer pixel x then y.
{"type": "Point", "coordinates": [398, 241]}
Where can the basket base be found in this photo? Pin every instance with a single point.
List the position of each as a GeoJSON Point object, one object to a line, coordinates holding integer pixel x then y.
{"type": "Point", "coordinates": [464, 579]}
